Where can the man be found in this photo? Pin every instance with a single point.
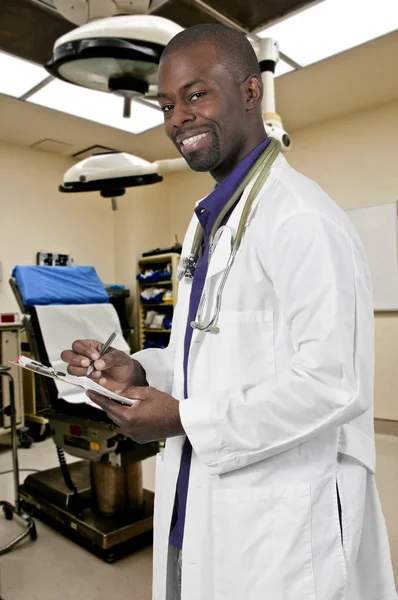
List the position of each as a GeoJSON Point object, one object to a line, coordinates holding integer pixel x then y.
{"type": "Point", "coordinates": [266, 487]}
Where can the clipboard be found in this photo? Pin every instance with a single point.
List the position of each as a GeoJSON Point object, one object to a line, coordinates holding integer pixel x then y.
{"type": "Point", "coordinates": [85, 383]}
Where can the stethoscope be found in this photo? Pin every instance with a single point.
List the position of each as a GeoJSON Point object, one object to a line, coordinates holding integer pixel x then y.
{"type": "Point", "coordinates": [188, 264]}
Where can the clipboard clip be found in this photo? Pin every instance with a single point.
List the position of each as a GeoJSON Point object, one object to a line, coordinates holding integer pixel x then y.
{"type": "Point", "coordinates": [43, 370]}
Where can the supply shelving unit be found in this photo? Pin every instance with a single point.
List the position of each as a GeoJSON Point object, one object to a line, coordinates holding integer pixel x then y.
{"type": "Point", "coordinates": [159, 261]}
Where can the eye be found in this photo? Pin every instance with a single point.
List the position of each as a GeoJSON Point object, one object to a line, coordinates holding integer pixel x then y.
{"type": "Point", "coordinates": [167, 107]}
{"type": "Point", "coordinates": [197, 95]}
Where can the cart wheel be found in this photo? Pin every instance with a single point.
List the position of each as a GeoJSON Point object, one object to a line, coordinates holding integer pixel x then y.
{"type": "Point", "coordinates": [25, 440]}
{"type": "Point", "coordinates": [9, 515]}
{"type": "Point", "coordinates": [27, 507]}
{"type": "Point", "coordinates": [37, 433]}
{"type": "Point", "coordinates": [110, 558]}
{"type": "Point", "coordinates": [33, 533]}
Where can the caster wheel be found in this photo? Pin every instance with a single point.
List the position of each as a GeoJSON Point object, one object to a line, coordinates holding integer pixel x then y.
{"type": "Point", "coordinates": [28, 508]}
{"type": "Point", "coordinates": [37, 432]}
{"type": "Point", "coordinates": [9, 515]}
{"type": "Point", "coordinates": [33, 533]}
{"type": "Point", "coordinates": [25, 441]}
{"type": "Point", "coordinates": [110, 558]}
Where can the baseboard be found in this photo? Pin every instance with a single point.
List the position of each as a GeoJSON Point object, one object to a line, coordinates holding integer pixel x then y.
{"type": "Point", "coordinates": [386, 426]}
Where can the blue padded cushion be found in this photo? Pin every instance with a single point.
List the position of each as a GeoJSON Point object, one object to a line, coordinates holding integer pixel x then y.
{"type": "Point", "coordinates": [59, 285]}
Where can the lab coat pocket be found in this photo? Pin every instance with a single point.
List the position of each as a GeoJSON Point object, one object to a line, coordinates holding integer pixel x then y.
{"type": "Point", "coordinates": [329, 538]}
{"type": "Point", "coordinates": [242, 353]}
{"type": "Point", "coordinates": [262, 544]}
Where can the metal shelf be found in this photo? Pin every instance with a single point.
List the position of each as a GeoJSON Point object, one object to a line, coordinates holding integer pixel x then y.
{"type": "Point", "coordinates": [144, 304]}
{"type": "Point", "coordinates": [160, 258]}
{"type": "Point", "coordinates": [155, 283]}
{"type": "Point", "coordinates": [157, 330]}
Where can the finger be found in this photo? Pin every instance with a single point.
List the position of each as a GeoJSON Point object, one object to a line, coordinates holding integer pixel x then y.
{"type": "Point", "coordinates": [101, 402]}
{"type": "Point", "coordinates": [97, 398]}
{"type": "Point", "coordinates": [101, 364]}
{"type": "Point", "coordinates": [82, 372]}
{"type": "Point", "coordinates": [113, 408]}
{"type": "Point", "coordinates": [77, 371]}
{"type": "Point", "coordinates": [104, 363]}
{"type": "Point", "coordinates": [108, 382]}
{"type": "Point", "coordinates": [112, 358]}
{"type": "Point", "coordinates": [87, 348]}
{"type": "Point", "coordinates": [97, 375]}
{"type": "Point", "coordinates": [137, 393]}
{"type": "Point", "coordinates": [75, 360]}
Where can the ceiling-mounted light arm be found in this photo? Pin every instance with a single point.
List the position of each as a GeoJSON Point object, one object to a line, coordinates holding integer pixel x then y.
{"type": "Point", "coordinates": [156, 5]}
{"type": "Point", "coordinates": [143, 100]}
{"type": "Point", "coordinates": [252, 35]}
{"type": "Point", "coordinates": [268, 56]}
{"type": "Point", "coordinates": [85, 11]}
{"type": "Point", "coordinates": [127, 107]}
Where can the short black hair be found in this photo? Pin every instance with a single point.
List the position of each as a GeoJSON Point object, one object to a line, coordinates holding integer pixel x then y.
{"type": "Point", "coordinates": [232, 47]}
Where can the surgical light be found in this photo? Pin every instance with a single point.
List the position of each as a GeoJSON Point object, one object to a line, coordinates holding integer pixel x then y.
{"type": "Point", "coordinates": [119, 54]}
{"type": "Point", "coordinates": [111, 172]}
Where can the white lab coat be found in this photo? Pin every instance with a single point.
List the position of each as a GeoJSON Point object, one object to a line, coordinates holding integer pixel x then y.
{"type": "Point", "coordinates": [279, 414]}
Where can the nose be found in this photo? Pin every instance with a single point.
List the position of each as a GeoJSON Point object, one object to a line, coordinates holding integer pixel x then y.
{"type": "Point", "coordinates": [182, 114]}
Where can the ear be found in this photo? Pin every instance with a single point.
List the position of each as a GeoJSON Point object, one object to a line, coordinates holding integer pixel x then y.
{"type": "Point", "coordinates": [253, 90]}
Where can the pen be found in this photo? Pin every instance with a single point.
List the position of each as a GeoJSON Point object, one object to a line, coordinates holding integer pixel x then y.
{"type": "Point", "coordinates": [102, 352]}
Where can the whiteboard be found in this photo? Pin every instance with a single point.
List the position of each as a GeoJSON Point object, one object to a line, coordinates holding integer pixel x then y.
{"type": "Point", "coordinates": [378, 229]}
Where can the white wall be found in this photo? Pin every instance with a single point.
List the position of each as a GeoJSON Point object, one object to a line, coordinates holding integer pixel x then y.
{"type": "Point", "coordinates": [34, 216]}
{"type": "Point", "coordinates": [184, 190]}
{"type": "Point", "coordinates": [355, 160]}
{"type": "Point", "coordinates": [142, 222]}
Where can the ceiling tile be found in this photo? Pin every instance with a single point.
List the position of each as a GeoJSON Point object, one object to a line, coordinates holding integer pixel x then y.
{"type": "Point", "coordinates": [331, 27]}
{"type": "Point", "coordinates": [99, 107]}
{"type": "Point", "coordinates": [18, 76]}
{"type": "Point", "coordinates": [249, 14]}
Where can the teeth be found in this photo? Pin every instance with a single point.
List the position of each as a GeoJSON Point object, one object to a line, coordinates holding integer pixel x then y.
{"type": "Point", "coordinates": [193, 139]}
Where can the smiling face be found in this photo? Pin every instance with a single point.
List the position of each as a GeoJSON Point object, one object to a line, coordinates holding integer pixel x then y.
{"type": "Point", "coordinates": [206, 111]}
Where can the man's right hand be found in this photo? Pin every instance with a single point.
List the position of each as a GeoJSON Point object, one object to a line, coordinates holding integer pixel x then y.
{"type": "Point", "coordinates": [115, 370]}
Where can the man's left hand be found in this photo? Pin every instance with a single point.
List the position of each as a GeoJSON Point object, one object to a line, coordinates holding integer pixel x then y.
{"type": "Point", "coordinates": [154, 417]}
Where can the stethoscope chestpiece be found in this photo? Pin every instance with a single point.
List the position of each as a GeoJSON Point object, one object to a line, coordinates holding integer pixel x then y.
{"type": "Point", "coordinates": [214, 330]}
{"type": "Point", "coordinates": [196, 325]}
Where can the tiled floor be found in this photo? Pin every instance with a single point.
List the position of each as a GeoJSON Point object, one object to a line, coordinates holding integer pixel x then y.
{"type": "Point", "coordinates": [53, 568]}
{"type": "Point", "coordinates": [387, 483]}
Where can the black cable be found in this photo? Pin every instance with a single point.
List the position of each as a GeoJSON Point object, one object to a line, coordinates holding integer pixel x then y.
{"type": "Point", "coordinates": [20, 471]}
{"type": "Point", "coordinates": [65, 471]}
{"type": "Point", "coordinates": [73, 501]}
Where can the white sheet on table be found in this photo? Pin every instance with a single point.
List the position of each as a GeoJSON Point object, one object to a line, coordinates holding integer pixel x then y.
{"type": "Point", "coordinates": [62, 325]}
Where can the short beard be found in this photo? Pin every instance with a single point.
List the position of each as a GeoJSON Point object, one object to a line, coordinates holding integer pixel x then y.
{"type": "Point", "coordinates": [205, 161]}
